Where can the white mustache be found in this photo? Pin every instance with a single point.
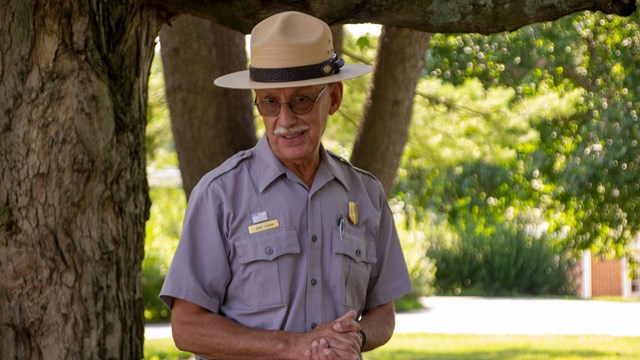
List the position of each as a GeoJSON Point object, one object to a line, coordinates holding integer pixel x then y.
{"type": "Point", "coordinates": [291, 130]}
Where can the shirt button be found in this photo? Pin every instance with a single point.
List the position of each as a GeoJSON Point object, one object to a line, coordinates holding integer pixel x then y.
{"type": "Point", "coordinates": [268, 251]}
{"type": "Point", "coordinates": [358, 253]}
{"type": "Point", "coordinates": [313, 325]}
{"type": "Point", "coordinates": [314, 282]}
{"type": "Point", "coordinates": [314, 238]}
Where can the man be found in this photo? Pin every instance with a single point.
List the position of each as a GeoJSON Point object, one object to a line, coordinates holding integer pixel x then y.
{"type": "Point", "coordinates": [287, 251]}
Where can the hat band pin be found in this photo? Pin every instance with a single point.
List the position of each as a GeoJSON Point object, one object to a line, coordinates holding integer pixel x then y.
{"type": "Point", "coordinates": [297, 73]}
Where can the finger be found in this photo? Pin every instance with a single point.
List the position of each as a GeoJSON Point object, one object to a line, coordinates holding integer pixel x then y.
{"type": "Point", "coordinates": [323, 350]}
{"type": "Point", "coordinates": [314, 351]}
{"type": "Point", "coordinates": [349, 342]}
{"type": "Point", "coordinates": [337, 354]}
{"type": "Point", "coordinates": [320, 350]}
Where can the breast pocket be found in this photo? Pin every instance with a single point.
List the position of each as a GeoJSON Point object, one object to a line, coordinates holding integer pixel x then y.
{"type": "Point", "coordinates": [265, 261]}
{"type": "Point", "coordinates": [354, 257]}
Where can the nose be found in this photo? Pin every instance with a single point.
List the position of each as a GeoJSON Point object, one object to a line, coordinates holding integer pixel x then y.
{"type": "Point", "coordinates": [287, 117]}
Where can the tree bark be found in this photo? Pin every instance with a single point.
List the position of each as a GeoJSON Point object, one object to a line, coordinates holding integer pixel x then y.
{"type": "Point", "coordinates": [209, 123]}
{"type": "Point", "coordinates": [425, 15]}
{"type": "Point", "coordinates": [337, 32]}
{"type": "Point", "coordinates": [384, 127]}
{"type": "Point", "coordinates": [73, 191]}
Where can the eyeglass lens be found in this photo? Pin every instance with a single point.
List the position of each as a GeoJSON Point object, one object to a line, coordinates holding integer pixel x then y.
{"type": "Point", "coordinates": [299, 105]}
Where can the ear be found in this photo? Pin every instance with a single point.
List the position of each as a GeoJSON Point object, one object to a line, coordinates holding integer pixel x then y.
{"type": "Point", "coordinates": [336, 97]}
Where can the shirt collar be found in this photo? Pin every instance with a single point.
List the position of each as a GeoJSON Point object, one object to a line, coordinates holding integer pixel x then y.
{"type": "Point", "coordinates": [270, 168]}
{"type": "Point", "coordinates": [331, 163]}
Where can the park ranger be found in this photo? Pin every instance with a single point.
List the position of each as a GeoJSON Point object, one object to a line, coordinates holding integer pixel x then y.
{"type": "Point", "coordinates": [287, 250]}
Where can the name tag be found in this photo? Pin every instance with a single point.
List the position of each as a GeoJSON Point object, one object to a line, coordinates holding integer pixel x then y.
{"type": "Point", "coordinates": [273, 224]}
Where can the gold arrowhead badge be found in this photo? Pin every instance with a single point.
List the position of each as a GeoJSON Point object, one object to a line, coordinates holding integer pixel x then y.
{"type": "Point", "coordinates": [353, 213]}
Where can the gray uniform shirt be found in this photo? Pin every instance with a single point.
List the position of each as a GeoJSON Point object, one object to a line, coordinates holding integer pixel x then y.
{"type": "Point", "coordinates": [261, 248]}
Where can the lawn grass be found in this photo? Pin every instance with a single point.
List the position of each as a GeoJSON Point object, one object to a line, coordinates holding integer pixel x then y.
{"type": "Point", "coordinates": [506, 347]}
{"type": "Point", "coordinates": [472, 347]}
{"type": "Point", "coordinates": [161, 349]}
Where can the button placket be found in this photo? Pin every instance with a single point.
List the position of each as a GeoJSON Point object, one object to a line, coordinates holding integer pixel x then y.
{"type": "Point", "coordinates": [314, 272]}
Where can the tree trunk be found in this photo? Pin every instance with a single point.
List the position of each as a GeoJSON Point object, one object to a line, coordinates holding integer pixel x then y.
{"type": "Point", "coordinates": [209, 123]}
{"type": "Point", "coordinates": [73, 191]}
{"type": "Point", "coordinates": [387, 116]}
{"type": "Point", "coordinates": [337, 32]}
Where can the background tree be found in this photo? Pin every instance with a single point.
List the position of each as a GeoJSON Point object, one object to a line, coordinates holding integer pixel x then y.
{"type": "Point", "coordinates": [385, 122]}
{"type": "Point", "coordinates": [209, 123]}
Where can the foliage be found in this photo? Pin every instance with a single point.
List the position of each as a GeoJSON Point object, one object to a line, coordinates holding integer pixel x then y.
{"type": "Point", "coordinates": [161, 152]}
{"type": "Point", "coordinates": [588, 158]}
{"type": "Point", "coordinates": [500, 260]}
{"type": "Point", "coordinates": [538, 123]}
{"type": "Point", "coordinates": [162, 234]}
{"type": "Point", "coordinates": [469, 149]}
{"type": "Point", "coordinates": [421, 268]}
{"type": "Point", "coordinates": [465, 168]}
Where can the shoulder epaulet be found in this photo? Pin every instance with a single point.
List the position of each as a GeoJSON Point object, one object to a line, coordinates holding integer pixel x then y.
{"type": "Point", "coordinates": [347, 163]}
{"type": "Point", "coordinates": [339, 158]}
{"type": "Point", "coordinates": [229, 164]}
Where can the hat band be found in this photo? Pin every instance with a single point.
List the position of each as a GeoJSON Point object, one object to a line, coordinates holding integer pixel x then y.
{"type": "Point", "coordinates": [297, 73]}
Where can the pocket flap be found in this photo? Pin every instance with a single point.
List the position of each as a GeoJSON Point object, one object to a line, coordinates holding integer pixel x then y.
{"type": "Point", "coordinates": [354, 245]}
{"type": "Point", "coordinates": [267, 245]}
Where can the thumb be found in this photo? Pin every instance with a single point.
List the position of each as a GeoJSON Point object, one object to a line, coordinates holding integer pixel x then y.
{"type": "Point", "coordinates": [349, 315]}
{"type": "Point", "coordinates": [343, 323]}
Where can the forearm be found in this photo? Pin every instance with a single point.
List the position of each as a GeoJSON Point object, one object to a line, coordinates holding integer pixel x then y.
{"type": "Point", "coordinates": [210, 335]}
{"type": "Point", "coordinates": [378, 325]}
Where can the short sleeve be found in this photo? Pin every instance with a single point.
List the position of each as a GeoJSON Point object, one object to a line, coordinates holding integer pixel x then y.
{"type": "Point", "coordinates": [390, 277]}
{"type": "Point", "coordinates": [199, 272]}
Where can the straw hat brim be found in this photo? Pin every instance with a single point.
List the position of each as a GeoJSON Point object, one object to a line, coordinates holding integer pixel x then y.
{"type": "Point", "coordinates": [240, 79]}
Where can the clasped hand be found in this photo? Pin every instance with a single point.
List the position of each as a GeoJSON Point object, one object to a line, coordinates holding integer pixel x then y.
{"type": "Point", "coordinates": [336, 340]}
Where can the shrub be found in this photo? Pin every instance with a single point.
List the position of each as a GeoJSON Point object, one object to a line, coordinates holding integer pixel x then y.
{"type": "Point", "coordinates": [503, 261]}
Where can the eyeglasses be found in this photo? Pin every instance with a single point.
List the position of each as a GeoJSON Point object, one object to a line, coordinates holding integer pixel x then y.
{"type": "Point", "coordinates": [299, 105]}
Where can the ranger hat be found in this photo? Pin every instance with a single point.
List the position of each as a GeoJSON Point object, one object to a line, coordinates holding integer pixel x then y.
{"type": "Point", "coordinates": [291, 49]}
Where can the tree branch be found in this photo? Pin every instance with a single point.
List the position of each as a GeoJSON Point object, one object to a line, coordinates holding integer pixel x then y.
{"type": "Point", "coordinates": [356, 57]}
{"type": "Point", "coordinates": [433, 16]}
{"type": "Point", "coordinates": [450, 104]}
